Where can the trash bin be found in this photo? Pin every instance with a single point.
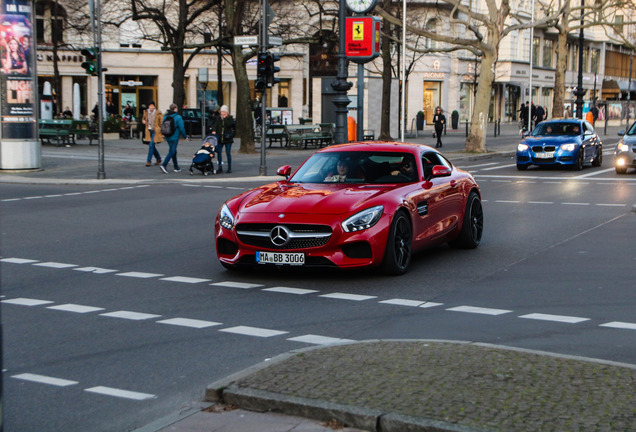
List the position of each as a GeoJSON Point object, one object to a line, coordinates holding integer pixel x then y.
{"type": "Point", "coordinates": [352, 128]}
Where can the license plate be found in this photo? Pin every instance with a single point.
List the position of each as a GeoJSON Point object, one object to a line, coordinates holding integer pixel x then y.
{"type": "Point", "coordinates": [282, 258]}
{"type": "Point", "coordinates": [545, 155]}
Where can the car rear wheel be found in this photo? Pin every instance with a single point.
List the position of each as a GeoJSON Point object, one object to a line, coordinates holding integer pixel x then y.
{"type": "Point", "coordinates": [473, 226]}
{"type": "Point", "coordinates": [397, 255]}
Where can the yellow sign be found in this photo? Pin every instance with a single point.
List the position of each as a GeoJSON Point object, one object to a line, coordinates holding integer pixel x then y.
{"type": "Point", "coordinates": [358, 31]}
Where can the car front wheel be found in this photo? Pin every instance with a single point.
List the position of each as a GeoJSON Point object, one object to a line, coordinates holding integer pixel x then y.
{"type": "Point", "coordinates": [598, 160]}
{"type": "Point", "coordinates": [473, 226]}
{"type": "Point", "coordinates": [397, 255]}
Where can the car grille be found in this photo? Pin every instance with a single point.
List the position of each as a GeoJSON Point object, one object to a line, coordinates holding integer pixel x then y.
{"type": "Point", "coordinates": [539, 149]}
{"type": "Point", "coordinates": [300, 236]}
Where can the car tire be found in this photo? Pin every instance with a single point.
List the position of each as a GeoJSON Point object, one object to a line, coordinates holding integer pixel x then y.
{"type": "Point", "coordinates": [473, 225]}
{"type": "Point", "coordinates": [397, 255]}
{"type": "Point", "coordinates": [578, 165]}
{"type": "Point", "coordinates": [598, 160]}
{"type": "Point", "coordinates": [621, 170]}
{"type": "Point", "coordinates": [522, 167]}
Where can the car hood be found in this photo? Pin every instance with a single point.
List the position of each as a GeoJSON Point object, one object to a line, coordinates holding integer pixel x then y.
{"type": "Point", "coordinates": [310, 198]}
{"type": "Point", "coordinates": [552, 140]}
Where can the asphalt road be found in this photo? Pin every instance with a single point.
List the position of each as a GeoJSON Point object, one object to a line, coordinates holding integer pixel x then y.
{"type": "Point", "coordinates": [116, 312]}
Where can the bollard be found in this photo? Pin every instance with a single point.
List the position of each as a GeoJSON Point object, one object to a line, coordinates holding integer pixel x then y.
{"type": "Point", "coordinates": [467, 129]}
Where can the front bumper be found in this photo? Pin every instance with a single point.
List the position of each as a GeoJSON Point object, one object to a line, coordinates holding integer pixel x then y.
{"type": "Point", "coordinates": [556, 156]}
{"type": "Point", "coordinates": [342, 250]}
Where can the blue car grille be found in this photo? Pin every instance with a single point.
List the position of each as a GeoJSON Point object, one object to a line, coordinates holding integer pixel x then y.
{"type": "Point", "coordinates": [539, 149]}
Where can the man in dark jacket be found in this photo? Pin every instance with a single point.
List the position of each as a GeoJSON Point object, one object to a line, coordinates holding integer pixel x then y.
{"type": "Point", "coordinates": [223, 128]}
{"type": "Point", "coordinates": [173, 140]}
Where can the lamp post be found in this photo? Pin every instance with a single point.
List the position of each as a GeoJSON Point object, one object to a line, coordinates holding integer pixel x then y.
{"type": "Point", "coordinates": [341, 85]}
{"type": "Point", "coordinates": [579, 86]}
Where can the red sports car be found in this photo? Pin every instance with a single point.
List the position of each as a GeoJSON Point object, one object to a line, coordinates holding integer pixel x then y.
{"type": "Point", "coordinates": [353, 205]}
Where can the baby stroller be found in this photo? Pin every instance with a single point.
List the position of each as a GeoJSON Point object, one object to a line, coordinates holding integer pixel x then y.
{"type": "Point", "coordinates": [202, 159]}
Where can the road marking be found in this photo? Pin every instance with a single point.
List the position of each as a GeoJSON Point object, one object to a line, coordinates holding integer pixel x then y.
{"type": "Point", "coordinates": [403, 302]}
{"type": "Point", "coordinates": [55, 265]}
{"type": "Point", "coordinates": [42, 379]}
{"type": "Point", "coordinates": [508, 201]}
{"type": "Point", "coordinates": [33, 197]}
{"type": "Point", "coordinates": [126, 394]}
{"type": "Point", "coordinates": [556, 318]}
{"type": "Point", "coordinates": [576, 204]}
{"type": "Point", "coordinates": [184, 279]}
{"type": "Point", "coordinates": [69, 307]}
{"type": "Point", "coordinates": [619, 325]}
{"type": "Point", "coordinates": [140, 275]}
{"type": "Point", "coordinates": [479, 310]}
{"type": "Point", "coordinates": [345, 296]}
{"type": "Point", "coordinates": [253, 331]}
{"type": "Point", "coordinates": [11, 199]}
{"type": "Point", "coordinates": [136, 316]}
{"type": "Point", "coordinates": [540, 202]}
{"type": "Point", "coordinates": [594, 173]}
{"type": "Point", "coordinates": [96, 270]}
{"type": "Point", "coordinates": [318, 340]}
{"type": "Point", "coordinates": [187, 322]}
{"type": "Point", "coordinates": [612, 205]}
{"type": "Point", "coordinates": [27, 301]}
{"type": "Point", "coordinates": [287, 290]}
{"type": "Point", "coordinates": [478, 166]}
{"type": "Point", "coordinates": [18, 260]}
{"type": "Point", "coordinates": [498, 167]}
{"type": "Point", "coordinates": [231, 284]}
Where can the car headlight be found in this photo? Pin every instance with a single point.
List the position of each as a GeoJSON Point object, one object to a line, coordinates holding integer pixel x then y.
{"type": "Point", "coordinates": [226, 218]}
{"type": "Point", "coordinates": [622, 147]}
{"type": "Point", "coordinates": [522, 147]}
{"type": "Point", "coordinates": [568, 147]}
{"type": "Point", "coordinates": [363, 220]}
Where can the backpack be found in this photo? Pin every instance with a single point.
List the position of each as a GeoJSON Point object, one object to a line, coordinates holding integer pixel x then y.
{"type": "Point", "coordinates": [168, 127]}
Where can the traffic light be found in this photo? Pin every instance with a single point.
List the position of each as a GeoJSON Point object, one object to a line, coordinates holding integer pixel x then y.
{"type": "Point", "coordinates": [90, 63]}
{"type": "Point", "coordinates": [261, 70]}
{"type": "Point", "coordinates": [272, 69]}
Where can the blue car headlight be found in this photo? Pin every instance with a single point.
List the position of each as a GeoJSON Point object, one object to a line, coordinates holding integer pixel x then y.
{"type": "Point", "coordinates": [226, 218]}
{"type": "Point", "coordinates": [568, 147]}
{"type": "Point", "coordinates": [522, 147]}
{"type": "Point", "coordinates": [363, 220]}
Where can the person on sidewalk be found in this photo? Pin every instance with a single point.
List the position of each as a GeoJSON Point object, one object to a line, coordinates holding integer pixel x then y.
{"type": "Point", "coordinates": [152, 120]}
{"type": "Point", "coordinates": [439, 120]}
{"type": "Point", "coordinates": [223, 128]}
{"type": "Point", "coordinates": [178, 128]}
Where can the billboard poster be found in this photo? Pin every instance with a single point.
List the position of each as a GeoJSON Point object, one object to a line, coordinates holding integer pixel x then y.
{"type": "Point", "coordinates": [17, 81]}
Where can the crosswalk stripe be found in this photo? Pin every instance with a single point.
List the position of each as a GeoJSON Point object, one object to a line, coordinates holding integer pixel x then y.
{"type": "Point", "coordinates": [345, 296]}
{"type": "Point", "coordinates": [620, 325]}
{"type": "Point", "coordinates": [21, 301]}
{"type": "Point", "coordinates": [75, 308]}
{"type": "Point", "coordinates": [287, 290]}
{"type": "Point", "coordinates": [187, 322]}
{"type": "Point", "coordinates": [556, 318]}
{"type": "Point", "coordinates": [126, 394]}
{"type": "Point", "coordinates": [42, 379]}
{"type": "Point", "coordinates": [184, 279]}
{"type": "Point", "coordinates": [253, 331]}
{"type": "Point", "coordinates": [135, 316]}
{"type": "Point", "coordinates": [479, 310]}
{"type": "Point", "coordinates": [318, 340]}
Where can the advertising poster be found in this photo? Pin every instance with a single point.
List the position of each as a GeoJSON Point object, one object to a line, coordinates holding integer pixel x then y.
{"type": "Point", "coordinates": [16, 74]}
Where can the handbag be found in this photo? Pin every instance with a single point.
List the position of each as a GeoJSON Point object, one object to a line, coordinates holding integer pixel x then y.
{"type": "Point", "coordinates": [144, 142]}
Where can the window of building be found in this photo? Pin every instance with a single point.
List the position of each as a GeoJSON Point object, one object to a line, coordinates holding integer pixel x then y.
{"type": "Point", "coordinates": [586, 59]}
{"type": "Point", "coordinates": [618, 23]}
{"type": "Point", "coordinates": [535, 51]}
{"type": "Point", "coordinates": [548, 52]}
{"type": "Point", "coordinates": [49, 22]}
{"type": "Point", "coordinates": [129, 34]}
{"type": "Point", "coordinates": [431, 26]}
{"type": "Point", "coordinates": [594, 61]}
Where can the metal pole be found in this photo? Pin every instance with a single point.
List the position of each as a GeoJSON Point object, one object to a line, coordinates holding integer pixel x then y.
{"type": "Point", "coordinates": [360, 131]}
{"type": "Point", "coordinates": [262, 40]}
{"type": "Point", "coordinates": [341, 85]}
{"type": "Point", "coordinates": [579, 86]}
{"type": "Point", "coordinates": [403, 73]}
{"type": "Point", "coordinates": [529, 113]}
{"type": "Point", "coordinates": [101, 172]}
{"type": "Point", "coordinates": [629, 87]}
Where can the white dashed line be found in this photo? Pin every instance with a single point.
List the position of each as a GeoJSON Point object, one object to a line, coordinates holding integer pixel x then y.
{"type": "Point", "coordinates": [403, 302]}
{"type": "Point", "coordinates": [184, 279]}
{"type": "Point", "coordinates": [241, 285]}
{"type": "Point", "coordinates": [18, 260]}
{"type": "Point", "coordinates": [507, 201]}
{"type": "Point", "coordinates": [619, 325]}
{"type": "Point", "coordinates": [318, 340]}
{"type": "Point", "coordinates": [42, 379]}
{"type": "Point", "coordinates": [27, 301]}
{"type": "Point", "coordinates": [54, 265]}
{"type": "Point", "coordinates": [612, 205]}
{"type": "Point", "coordinates": [540, 202]}
{"type": "Point", "coordinates": [95, 270]}
{"type": "Point", "coordinates": [287, 290]}
{"type": "Point", "coordinates": [575, 204]}
{"type": "Point", "coordinates": [186, 322]}
{"type": "Point", "coordinates": [125, 394]}
{"type": "Point", "coordinates": [345, 296]}
{"type": "Point", "coordinates": [253, 331]}
{"type": "Point", "coordinates": [555, 318]}
{"type": "Point", "coordinates": [479, 310]}
{"type": "Point", "coordinates": [135, 316]}
{"type": "Point", "coordinates": [75, 308]}
{"type": "Point", "coordinates": [140, 275]}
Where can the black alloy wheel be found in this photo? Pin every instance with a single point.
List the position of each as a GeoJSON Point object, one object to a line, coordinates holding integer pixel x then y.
{"type": "Point", "coordinates": [397, 255]}
{"type": "Point", "coordinates": [473, 226]}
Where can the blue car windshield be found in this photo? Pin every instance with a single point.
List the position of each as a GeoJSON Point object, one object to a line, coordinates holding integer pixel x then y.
{"type": "Point", "coordinates": [358, 167]}
{"type": "Point", "coordinates": [557, 129]}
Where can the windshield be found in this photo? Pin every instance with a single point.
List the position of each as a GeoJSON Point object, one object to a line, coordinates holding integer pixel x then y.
{"type": "Point", "coordinates": [358, 167]}
{"type": "Point", "coordinates": [632, 130]}
{"type": "Point", "coordinates": [556, 129]}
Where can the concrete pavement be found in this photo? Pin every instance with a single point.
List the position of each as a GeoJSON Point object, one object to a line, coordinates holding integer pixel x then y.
{"type": "Point", "coordinates": [374, 385]}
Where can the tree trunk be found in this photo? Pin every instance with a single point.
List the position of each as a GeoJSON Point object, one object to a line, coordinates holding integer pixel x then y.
{"type": "Point", "coordinates": [476, 140]}
{"type": "Point", "coordinates": [178, 90]}
{"type": "Point", "coordinates": [559, 75]}
{"type": "Point", "coordinates": [385, 123]}
{"type": "Point", "coordinates": [244, 129]}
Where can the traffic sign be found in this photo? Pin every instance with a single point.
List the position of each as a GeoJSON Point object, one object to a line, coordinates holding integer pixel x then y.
{"type": "Point", "coordinates": [275, 40]}
{"type": "Point", "coordinates": [246, 40]}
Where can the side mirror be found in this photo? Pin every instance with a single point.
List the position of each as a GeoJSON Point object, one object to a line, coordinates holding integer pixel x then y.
{"type": "Point", "coordinates": [284, 171]}
{"type": "Point", "coordinates": [621, 132]}
{"type": "Point", "coordinates": [441, 171]}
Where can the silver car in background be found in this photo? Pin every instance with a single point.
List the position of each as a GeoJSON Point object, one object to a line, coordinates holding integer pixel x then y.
{"type": "Point", "coordinates": [626, 150]}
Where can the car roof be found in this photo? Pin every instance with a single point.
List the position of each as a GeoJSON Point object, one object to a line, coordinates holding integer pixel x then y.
{"type": "Point", "coordinates": [378, 146]}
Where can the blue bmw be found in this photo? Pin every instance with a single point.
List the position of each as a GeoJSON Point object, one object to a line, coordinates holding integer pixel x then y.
{"type": "Point", "coordinates": [564, 142]}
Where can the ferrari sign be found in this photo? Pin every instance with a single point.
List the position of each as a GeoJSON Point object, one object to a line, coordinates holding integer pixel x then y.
{"type": "Point", "coordinates": [362, 38]}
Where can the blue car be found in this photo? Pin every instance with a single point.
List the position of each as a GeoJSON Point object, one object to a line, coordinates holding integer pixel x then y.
{"type": "Point", "coordinates": [563, 142]}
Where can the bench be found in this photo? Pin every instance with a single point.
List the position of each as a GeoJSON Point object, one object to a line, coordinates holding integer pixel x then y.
{"type": "Point", "coordinates": [276, 133]}
{"type": "Point", "coordinates": [304, 135]}
{"type": "Point", "coordinates": [83, 128]}
{"type": "Point", "coordinates": [57, 129]}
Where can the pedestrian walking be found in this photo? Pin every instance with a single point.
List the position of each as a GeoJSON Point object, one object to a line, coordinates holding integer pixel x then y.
{"type": "Point", "coordinates": [152, 120]}
{"type": "Point", "coordinates": [172, 128]}
{"type": "Point", "coordinates": [223, 128]}
{"type": "Point", "coordinates": [440, 121]}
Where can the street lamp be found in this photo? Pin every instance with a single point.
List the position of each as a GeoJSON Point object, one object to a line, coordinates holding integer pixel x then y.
{"type": "Point", "coordinates": [579, 86]}
{"type": "Point", "coordinates": [341, 85]}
